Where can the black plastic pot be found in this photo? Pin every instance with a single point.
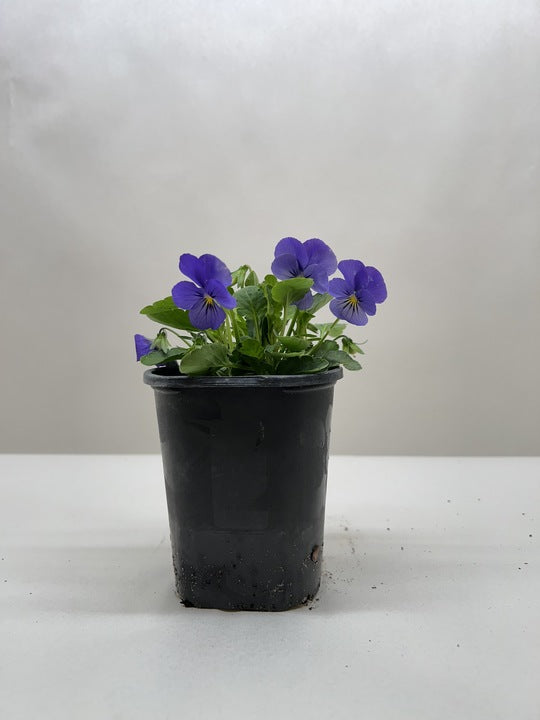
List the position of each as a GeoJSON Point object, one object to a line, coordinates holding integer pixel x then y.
{"type": "Point", "coordinates": [245, 462]}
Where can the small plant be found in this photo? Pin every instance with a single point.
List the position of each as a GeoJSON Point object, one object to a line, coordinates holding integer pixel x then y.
{"type": "Point", "coordinates": [223, 323]}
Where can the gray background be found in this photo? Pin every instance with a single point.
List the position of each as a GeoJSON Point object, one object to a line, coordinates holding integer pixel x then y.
{"type": "Point", "coordinates": [405, 134]}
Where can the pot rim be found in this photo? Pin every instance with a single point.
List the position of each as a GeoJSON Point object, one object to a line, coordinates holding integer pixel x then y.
{"type": "Point", "coordinates": [156, 379]}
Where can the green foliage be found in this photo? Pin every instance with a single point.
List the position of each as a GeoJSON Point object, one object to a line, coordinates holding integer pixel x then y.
{"type": "Point", "coordinates": [166, 313]}
{"type": "Point", "coordinates": [350, 347]}
{"type": "Point", "coordinates": [333, 329]}
{"type": "Point", "coordinates": [250, 302]}
{"type": "Point", "coordinates": [251, 278]}
{"type": "Point", "coordinates": [295, 344]}
{"type": "Point", "coordinates": [158, 357]}
{"type": "Point", "coordinates": [201, 360]}
{"type": "Point", "coordinates": [266, 334]}
{"type": "Point", "coordinates": [239, 276]}
{"type": "Point", "coordinates": [292, 290]}
{"type": "Point", "coordinates": [270, 280]}
{"type": "Point", "coordinates": [251, 348]}
{"type": "Point", "coordinates": [325, 346]}
{"type": "Point", "coordinates": [339, 357]}
{"type": "Point", "coordinates": [329, 351]}
{"type": "Point", "coordinates": [244, 276]}
{"type": "Point", "coordinates": [300, 365]}
{"type": "Point", "coordinates": [319, 301]}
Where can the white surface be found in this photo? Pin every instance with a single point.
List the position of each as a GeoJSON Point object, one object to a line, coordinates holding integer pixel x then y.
{"type": "Point", "coordinates": [405, 133]}
{"type": "Point", "coordinates": [428, 609]}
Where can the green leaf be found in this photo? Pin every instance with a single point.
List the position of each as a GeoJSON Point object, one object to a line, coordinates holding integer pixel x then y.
{"type": "Point", "coordinates": [165, 312]}
{"type": "Point", "coordinates": [291, 311]}
{"type": "Point", "coordinates": [244, 276]}
{"type": "Point", "coordinates": [208, 357]}
{"type": "Point", "coordinates": [250, 302]}
{"type": "Point", "coordinates": [319, 301]}
{"type": "Point", "coordinates": [338, 357]}
{"type": "Point", "coordinates": [273, 308]}
{"type": "Point", "coordinates": [332, 331]}
{"type": "Point", "coordinates": [301, 365]}
{"type": "Point", "coordinates": [158, 357]}
{"type": "Point", "coordinates": [251, 279]}
{"type": "Point", "coordinates": [277, 356]}
{"type": "Point", "coordinates": [292, 290]}
{"type": "Point", "coordinates": [294, 343]}
{"type": "Point", "coordinates": [325, 347]}
{"type": "Point", "coordinates": [161, 342]}
{"type": "Point", "coordinates": [239, 276]}
{"type": "Point", "coordinates": [251, 348]}
{"type": "Point", "coordinates": [270, 280]}
{"type": "Point", "coordinates": [302, 322]}
{"type": "Point", "coordinates": [337, 329]}
{"type": "Point", "coordinates": [349, 346]}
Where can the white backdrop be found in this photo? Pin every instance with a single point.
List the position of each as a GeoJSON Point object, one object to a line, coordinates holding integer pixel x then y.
{"type": "Point", "coordinates": [405, 134]}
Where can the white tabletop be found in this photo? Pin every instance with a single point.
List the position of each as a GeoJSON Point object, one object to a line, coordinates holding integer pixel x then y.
{"type": "Point", "coordinates": [429, 608]}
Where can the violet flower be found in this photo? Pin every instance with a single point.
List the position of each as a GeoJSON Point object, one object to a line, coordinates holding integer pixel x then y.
{"type": "Point", "coordinates": [207, 295]}
{"type": "Point", "coordinates": [357, 293]}
{"type": "Point", "coordinates": [143, 346]}
{"type": "Point", "coordinates": [311, 259]}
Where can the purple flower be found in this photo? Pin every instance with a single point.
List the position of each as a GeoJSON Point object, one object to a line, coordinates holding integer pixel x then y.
{"type": "Point", "coordinates": [207, 295]}
{"type": "Point", "coordinates": [311, 259]}
{"type": "Point", "coordinates": [357, 293]}
{"type": "Point", "coordinates": [142, 346]}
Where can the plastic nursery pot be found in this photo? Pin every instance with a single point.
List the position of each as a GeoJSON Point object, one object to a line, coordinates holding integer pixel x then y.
{"type": "Point", "coordinates": [245, 464]}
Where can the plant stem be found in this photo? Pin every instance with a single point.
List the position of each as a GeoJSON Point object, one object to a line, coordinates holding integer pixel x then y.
{"type": "Point", "coordinates": [228, 332]}
{"type": "Point", "coordinates": [222, 335]}
{"type": "Point", "coordinates": [234, 324]}
{"type": "Point", "coordinates": [285, 311]}
{"type": "Point", "coordinates": [323, 338]}
{"type": "Point", "coordinates": [293, 321]}
{"type": "Point", "coordinates": [257, 328]}
{"type": "Point", "coordinates": [182, 337]}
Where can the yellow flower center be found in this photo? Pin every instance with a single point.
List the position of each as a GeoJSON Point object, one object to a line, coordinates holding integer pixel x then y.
{"type": "Point", "coordinates": [352, 300]}
{"type": "Point", "coordinates": [209, 300]}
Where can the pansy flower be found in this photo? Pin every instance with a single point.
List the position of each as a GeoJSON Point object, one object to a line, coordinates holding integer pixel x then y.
{"type": "Point", "coordinates": [207, 295]}
{"type": "Point", "coordinates": [142, 346]}
{"type": "Point", "coordinates": [357, 293]}
{"type": "Point", "coordinates": [311, 259]}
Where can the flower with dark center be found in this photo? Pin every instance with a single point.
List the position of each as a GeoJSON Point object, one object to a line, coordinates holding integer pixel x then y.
{"type": "Point", "coordinates": [207, 295]}
{"type": "Point", "coordinates": [357, 294]}
{"type": "Point", "coordinates": [311, 259]}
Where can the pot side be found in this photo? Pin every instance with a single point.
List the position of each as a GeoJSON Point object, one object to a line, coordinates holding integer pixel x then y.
{"type": "Point", "coordinates": [245, 464]}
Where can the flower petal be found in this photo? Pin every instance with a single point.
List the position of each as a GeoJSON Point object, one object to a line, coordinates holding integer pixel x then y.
{"type": "Point", "coordinates": [350, 268]}
{"type": "Point", "coordinates": [215, 269]}
{"type": "Point", "coordinates": [349, 312]}
{"type": "Point", "coordinates": [376, 284]}
{"type": "Point", "coordinates": [319, 253]}
{"type": "Point", "coordinates": [367, 301]}
{"type": "Point", "coordinates": [285, 266]}
{"type": "Point", "coordinates": [306, 302]}
{"type": "Point", "coordinates": [191, 266]}
{"type": "Point", "coordinates": [142, 346]}
{"type": "Point", "coordinates": [202, 269]}
{"type": "Point", "coordinates": [319, 276]}
{"type": "Point", "coordinates": [340, 288]}
{"type": "Point", "coordinates": [185, 294]}
{"type": "Point", "coordinates": [205, 316]}
{"type": "Point", "coordinates": [292, 246]}
{"type": "Point", "coordinates": [220, 293]}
